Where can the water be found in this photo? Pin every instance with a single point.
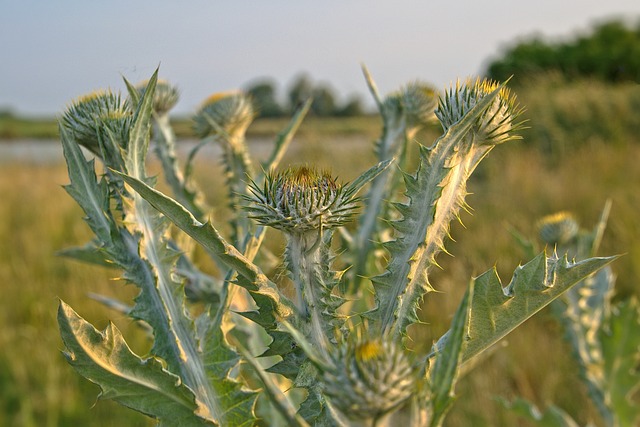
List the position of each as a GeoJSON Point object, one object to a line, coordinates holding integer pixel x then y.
{"type": "Point", "coordinates": [49, 151]}
{"type": "Point", "coordinates": [46, 152]}
{"type": "Point", "coordinates": [30, 151]}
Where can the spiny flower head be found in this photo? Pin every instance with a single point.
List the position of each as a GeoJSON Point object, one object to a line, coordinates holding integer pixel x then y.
{"type": "Point", "coordinates": [371, 376]}
{"type": "Point", "coordinates": [225, 112]}
{"type": "Point", "coordinates": [496, 125]}
{"type": "Point", "coordinates": [413, 103]}
{"type": "Point", "coordinates": [301, 199]}
{"type": "Point", "coordinates": [558, 228]}
{"type": "Point", "coordinates": [165, 96]}
{"type": "Point", "coordinates": [98, 115]}
{"type": "Point", "coordinates": [418, 101]}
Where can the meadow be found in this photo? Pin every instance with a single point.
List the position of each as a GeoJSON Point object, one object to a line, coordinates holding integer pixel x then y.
{"type": "Point", "coordinates": [582, 148]}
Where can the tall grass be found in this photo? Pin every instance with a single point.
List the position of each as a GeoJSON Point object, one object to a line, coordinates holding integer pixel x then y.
{"type": "Point", "coordinates": [37, 218]}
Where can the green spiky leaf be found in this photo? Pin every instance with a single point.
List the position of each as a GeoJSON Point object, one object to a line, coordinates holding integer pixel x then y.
{"type": "Point", "coordinates": [220, 360]}
{"type": "Point", "coordinates": [207, 235]}
{"type": "Point", "coordinates": [435, 195]}
{"type": "Point", "coordinates": [495, 311]}
{"type": "Point", "coordinates": [141, 384]}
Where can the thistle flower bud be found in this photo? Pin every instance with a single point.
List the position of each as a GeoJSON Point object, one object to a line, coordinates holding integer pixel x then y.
{"type": "Point", "coordinates": [229, 112]}
{"type": "Point", "coordinates": [414, 103]}
{"type": "Point", "coordinates": [371, 376]}
{"type": "Point", "coordinates": [418, 101]}
{"type": "Point", "coordinates": [558, 228]}
{"type": "Point", "coordinates": [301, 199]}
{"type": "Point", "coordinates": [496, 125]}
{"type": "Point", "coordinates": [164, 98]}
{"type": "Point", "coordinates": [98, 115]}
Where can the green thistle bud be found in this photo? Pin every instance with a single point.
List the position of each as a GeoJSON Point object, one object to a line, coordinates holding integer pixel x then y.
{"type": "Point", "coordinates": [301, 199]}
{"type": "Point", "coordinates": [371, 376]}
{"type": "Point", "coordinates": [496, 125]}
{"type": "Point", "coordinates": [558, 228]}
{"type": "Point", "coordinates": [227, 112]}
{"type": "Point", "coordinates": [164, 98]}
{"type": "Point", "coordinates": [411, 107]}
{"type": "Point", "coordinates": [418, 101]}
{"type": "Point", "coordinates": [98, 115]}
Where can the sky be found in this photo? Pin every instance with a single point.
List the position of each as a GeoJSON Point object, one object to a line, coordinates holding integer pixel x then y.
{"type": "Point", "coordinates": [54, 51]}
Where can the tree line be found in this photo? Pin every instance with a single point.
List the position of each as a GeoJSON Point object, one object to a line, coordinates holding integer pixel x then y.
{"type": "Point", "coordinates": [610, 51]}
{"type": "Point", "coordinates": [325, 102]}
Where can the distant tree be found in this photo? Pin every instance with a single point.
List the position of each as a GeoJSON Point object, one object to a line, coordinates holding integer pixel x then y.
{"type": "Point", "coordinates": [610, 52]}
{"type": "Point", "coordinates": [301, 89]}
{"type": "Point", "coordinates": [353, 107]}
{"type": "Point", "coordinates": [263, 93]}
{"type": "Point", "coordinates": [324, 101]}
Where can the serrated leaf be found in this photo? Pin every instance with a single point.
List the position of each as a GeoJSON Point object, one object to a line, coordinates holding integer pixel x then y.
{"type": "Point", "coordinates": [237, 405]}
{"type": "Point", "coordinates": [435, 196]}
{"type": "Point", "coordinates": [141, 384]}
{"type": "Point", "coordinates": [161, 302]}
{"type": "Point", "coordinates": [275, 395]}
{"type": "Point", "coordinates": [205, 234]}
{"type": "Point", "coordinates": [495, 311]}
{"type": "Point", "coordinates": [91, 195]}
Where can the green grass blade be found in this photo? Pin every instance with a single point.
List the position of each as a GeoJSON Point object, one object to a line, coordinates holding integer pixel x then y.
{"type": "Point", "coordinates": [447, 364]}
{"type": "Point", "coordinates": [141, 384]}
{"type": "Point", "coordinates": [284, 138]}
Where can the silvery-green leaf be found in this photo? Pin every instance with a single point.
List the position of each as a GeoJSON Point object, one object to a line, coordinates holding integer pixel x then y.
{"type": "Point", "coordinates": [435, 194]}
{"type": "Point", "coordinates": [210, 239]}
{"type": "Point", "coordinates": [495, 311]}
{"type": "Point", "coordinates": [141, 384]}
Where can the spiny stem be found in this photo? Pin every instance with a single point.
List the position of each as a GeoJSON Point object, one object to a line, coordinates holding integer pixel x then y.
{"type": "Point", "coordinates": [305, 264]}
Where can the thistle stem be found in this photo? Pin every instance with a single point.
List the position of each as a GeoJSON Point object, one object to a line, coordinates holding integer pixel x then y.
{"type": "Point", "coordinates": [306, 267]}
{"type": "Point", "coordinates": [165, 148]}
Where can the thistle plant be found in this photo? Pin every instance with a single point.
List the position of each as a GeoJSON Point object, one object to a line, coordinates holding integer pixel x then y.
{"type": "Point", "coordinates": [603, 334]}
{"type": "Point", "coordinates": [329, 350]}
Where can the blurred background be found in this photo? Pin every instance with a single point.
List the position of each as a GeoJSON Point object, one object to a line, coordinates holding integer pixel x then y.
{"type": "Point", "coordinates": [574, 65]}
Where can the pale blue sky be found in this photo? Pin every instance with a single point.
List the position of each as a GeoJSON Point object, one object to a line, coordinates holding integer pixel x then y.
{"type": "Point", "coordinates": [53, 51]}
